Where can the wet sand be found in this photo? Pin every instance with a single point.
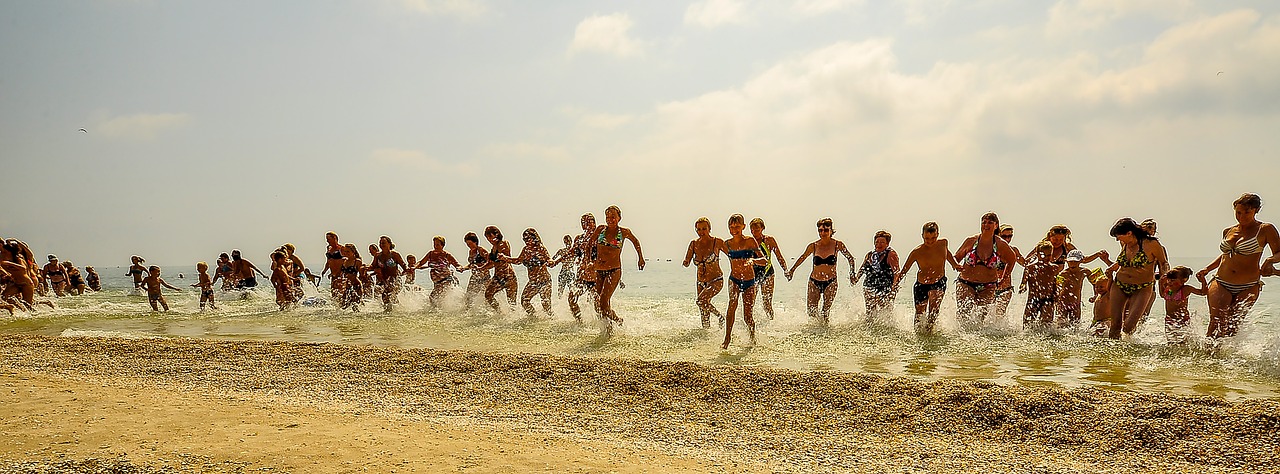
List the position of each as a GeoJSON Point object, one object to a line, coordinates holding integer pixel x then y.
{"type": "Point", "coordinates": [175, 405]}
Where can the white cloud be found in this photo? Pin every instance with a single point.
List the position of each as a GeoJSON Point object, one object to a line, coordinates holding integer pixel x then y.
{"type": "Point", "coordinates": [923, 12]}
{"type": "Point", "coordinates": [1074, 16]}
{"type": "Point", "coordinates": [138, 126]}
{"type": "Point", "coordinates": [461, 8]}
{"type": "Point", "coordinates": [713, 13]}
{"type": "Point", "coordinates": [819, 7]}
{"type": "Point", "coordinates": [418, 160]}
{"type": "Point", "coordinates": [607, 34]}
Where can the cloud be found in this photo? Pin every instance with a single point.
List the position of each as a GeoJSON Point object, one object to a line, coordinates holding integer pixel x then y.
{"type": "Point", "coordinates": [714, 13]}
{"type": "Point", "coordinates": [607, 34]}
{"type": "Point", "coordinates": [138, 126]}
{"type": "Point", "coordinates": [553, 154]}
{"type": "Point", "coordinates": [819, 7]}
{"type": "Point", "coordinates": [460, 8]}
{"type": "Point", "coordinates": [1074, 16]}
{"type": "Point", "coordinates": [418, 160]}
{"type": "Point", "coordinates": [923, 12]}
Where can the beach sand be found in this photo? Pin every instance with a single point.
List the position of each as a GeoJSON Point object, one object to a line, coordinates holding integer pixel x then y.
{"type": "Point", "coordinates": [179, 405]}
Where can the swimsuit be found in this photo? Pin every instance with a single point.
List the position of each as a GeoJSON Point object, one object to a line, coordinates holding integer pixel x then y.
{"type": "Point", "coordinates": [1138, 260]}
{"type": "Point", "coordinates": [879, 277]}
{"type": "Point", "coordinates": [971, 259]}
{"type": "Point", "coordinates": [702, 285]}
{"type": "Point", "coordinates": [616, 243]}
{"type": "Point", "coordinates": [742, 254]}
{"type": "Point", "coordinates": [1235, 288]}
{"type": "Point", "coordinates": [975, 286]}
{"type": "Point", "coordinates": [920, 291]}
{"type": "Point", "coordinates": [821, 285]}
{"type": "Point", "coordinates": [250, 282]}
{"type": "Point", "coordinates": [766, 270]}
{"type": "Point", "coordinates": [1247, 246]}
{"type": "Point", "coordinates": [743, 285]}
{"type": "Point", "coordinates": [1037, 306]}
{"type": "Point", "coordinates": [334, 255]}
{"type": "Point", "coordinates": [829, 260]}
{"type": "Point", "coordinates": [1129, 289]}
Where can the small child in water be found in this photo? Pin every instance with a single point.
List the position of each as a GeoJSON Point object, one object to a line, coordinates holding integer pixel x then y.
{"type": "Point", "coordinates": [1174, 289]}
{"type": "Point", "coordinates": [1101, 302]}
{"type": "Point", "coordinates": [1070, 285]}
{"type": "Point", "coordinates": [411, 269]}
{"type": "Point", "coordinates": [153, 284]}
{"type": "Point", "coordinates": [205, 284]}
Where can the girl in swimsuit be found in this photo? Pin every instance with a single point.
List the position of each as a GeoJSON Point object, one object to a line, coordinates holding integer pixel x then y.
{"type": "Point", "coordinates": [75, 281]}
{"type": "Point", "coordinates": [441, 262]}
{"type": "Point", "coordinates": [224, 271]}
{"type": "Point", "coordinates": [764, 273]}
{"type": "Point", "coordinates": [504, 278]}
{"type": "Point", "coordinates": [1237, 283]}
{"type": "Point", "coordinates": [478, 263]}
{"type": "Point", "coordinates": [92, 279]}
{"type": "Point", "coordinates": [1133, 275]}
{"type": "Point", "coordinates": [564, 258]}
{"type": "Point", "coordinates": [1174, 289]}
{"type": "Point", "coordinates": [880, 269]}
{"type": "Point", "coordinates": [57, 276]}
{"type": "Point", "coordinates": [979, 271]}
{"type": "Point", "coordinates": [744, 253]}
{"type": "Point", "coordinates": [822, 279]}
{"type": "Point", "coordinates": [534, 256]}
{"type": "Point", "coordinates": [705, 253]}
{"type": "Point", "coordinates": [350, 278]}
{"type": "Point", "coordinates": [608, 241]}
{"type": "Point", "coordinates": [585, 253]}
{"type": "Point", "coordinates": [392, 264]}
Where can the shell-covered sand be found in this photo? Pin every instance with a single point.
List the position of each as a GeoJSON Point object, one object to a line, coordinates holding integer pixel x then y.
{"type": "Point", "coordinates": [732, 418]}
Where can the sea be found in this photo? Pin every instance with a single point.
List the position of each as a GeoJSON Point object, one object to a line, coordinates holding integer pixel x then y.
{"type": "Point", "coordinates": [662, 323]}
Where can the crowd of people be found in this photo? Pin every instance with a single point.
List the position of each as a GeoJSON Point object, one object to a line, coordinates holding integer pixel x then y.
{"type": "Point", "coordinates": [1123, 291]}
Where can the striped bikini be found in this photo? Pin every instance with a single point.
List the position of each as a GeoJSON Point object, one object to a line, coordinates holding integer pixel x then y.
{"type": "Point", "coordinates": [1243, 247]}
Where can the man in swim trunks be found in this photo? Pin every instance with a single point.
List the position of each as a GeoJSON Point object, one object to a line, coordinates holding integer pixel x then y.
{"type": "Point", "coordinates": [932, 256]}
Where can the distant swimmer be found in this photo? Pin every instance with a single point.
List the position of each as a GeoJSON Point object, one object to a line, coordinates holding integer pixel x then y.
{"type": "Point", "coordinates": [1218, 74]}
{"type": "Point", "coordinates": [86, 131]}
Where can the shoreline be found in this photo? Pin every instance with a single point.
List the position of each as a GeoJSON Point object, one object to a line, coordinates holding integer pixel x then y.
{"type": "Point", "coordinates": [677, 415]}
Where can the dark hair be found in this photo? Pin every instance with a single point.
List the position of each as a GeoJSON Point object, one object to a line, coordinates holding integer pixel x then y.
{"type": "Point", "coordinates": [991, 216]}
{"type": "Point", "coordinates": [390, 245]}
{"type": "Point", "coordinates": [615, 209]}
{"type": "Point", "coordinates": [493, 230]}
{"type": "Point", "coordinates": [1249, 201]}
{"type": "Point", "coordinates": [930, 227]}
{"type": "Point", "coordinates": [1126, 225]}
{"type": "Point", "coordinates": [1179, 272]}
{"type": "Point", "coordinates": [277, 255]}
{"type": "Point", "coordinates": [883, 233]}
{"type": "Point", "coordinates": [530, 232]}
{"type": "Point", "coordinates": [826, 222]}
{"type": "Point", "coordinates": [471, 237]}
{"type": "Point", "coordinates": [1058, 230]}
{"type": "Point", "coordinates": [737, 218]}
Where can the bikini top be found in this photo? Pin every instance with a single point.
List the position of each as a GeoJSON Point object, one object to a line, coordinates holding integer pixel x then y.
{"type": "Point", "coordinates": [1171, 296]}
{"type": "Point", "coordinates": [334, 255]}
{"type": "Point", "coordinates": [478, 258]}
{"type": "Point", "coordinates": [830, 260]}
{"type": "Point", "coordinates": [743, 254]}
{"type": "Point", "coordinates": [1247, 246]}
{"type": "Point", "coordinates": [713, 258]}
{"type": "Point", "coordinates": [135, 271]}
{"type": "Point", "coordinates": [535, 261]}
{"type": "Point", "coordinates": [615, 243]}
{"type": "Point", "coordinates": [1138, 260]}
{"type": "Point", "coordinates": [971, 259]}
{"type": "Point", "coordinates": [764, 251]}
{"type": "Point", "coordinates": [389, 263]}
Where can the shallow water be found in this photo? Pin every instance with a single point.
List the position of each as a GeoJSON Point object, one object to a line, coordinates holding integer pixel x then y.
{"type": "Point", "coordinates": [662, 323]}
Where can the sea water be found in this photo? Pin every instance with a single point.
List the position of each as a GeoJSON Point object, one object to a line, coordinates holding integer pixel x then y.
{"type": "Point", "coordinates": [662, 323]}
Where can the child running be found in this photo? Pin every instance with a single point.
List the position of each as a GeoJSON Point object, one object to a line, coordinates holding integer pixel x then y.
{"type": "Point", "coordinates": [282, 279]}
{"type": "Point", "coordinates": [153, 284]}
{"type": "Point", "coordinates": [1174, 289]}
{"type": "Point", "coordinates": [205, 284]}
{"type": "Point", "coordinates": [1101, 300]}
{"type": "Point", "coordinates": [1040, 283]}
{"type": "Point", "coordinates": [764, 273]}
{"type": "Point", "coordinates": [1070, 285]}
{"type": "Point", "coordinates": [743, 253]}
{"type": "Point", "coordinates": [564, 258]}
{"type": "Point", "coordinates": [931, 256]}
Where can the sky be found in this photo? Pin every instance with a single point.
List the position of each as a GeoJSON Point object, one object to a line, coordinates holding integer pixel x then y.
{"type": "Point", "coordinates": [247, 124]}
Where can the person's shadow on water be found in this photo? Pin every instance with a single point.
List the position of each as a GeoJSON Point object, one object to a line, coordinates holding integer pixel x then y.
{"type": "Point", "coordinates": [728, 356]}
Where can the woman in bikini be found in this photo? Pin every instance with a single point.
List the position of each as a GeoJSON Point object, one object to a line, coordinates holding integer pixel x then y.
{"type": "Point", "coordinates": [704, 252]}
{"type": "Point", "coordinates": [333, 264]}
{"type": "Point", "coordinates": [137, 271]}
{"type": "Point", "coordinates": [504, 278]}
{"type": "Point", "coordinates": [744, 253]}
{"type": "Point", "coordinates": [565, 259]}
{"type": "Point", "coordinates": [1134, 275]}
{"type": "Point", "coordinates": [608, 240]}
{"type": "Point", "coordinates": [478, 263]}
{"type": "Point", "coordinates": [1237, 283]}
{"type": "Point", "coordinates": [441, 264]}
{"type": "Point", "coordinates": [350, 270]}
{"type": "Point", "coordinates": [57, 276]}
{"type": "Point", "coordinates": [979, 270]}
{"type": "Point", "coordinates": [392, 265]}
{"type": "Point", "coordinates": [879, 274]}
{"type": "Point", "coordinates": [764, 273]}
{"type": "Point", "coordinates": [535, 257]}
{"type": "Point", "coordinates": [823, 279]}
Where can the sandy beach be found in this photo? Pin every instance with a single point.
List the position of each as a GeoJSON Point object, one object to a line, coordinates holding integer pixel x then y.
{"type": "Point", "coordinates": [183, 405]}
